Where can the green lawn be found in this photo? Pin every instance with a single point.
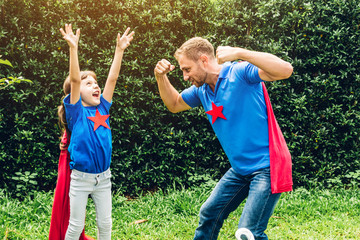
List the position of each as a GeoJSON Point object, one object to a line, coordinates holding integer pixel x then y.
{"type": "Point", "coordinates": [302, 214]}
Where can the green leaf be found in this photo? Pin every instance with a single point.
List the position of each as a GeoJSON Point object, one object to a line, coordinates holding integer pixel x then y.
{"type": "Point", "coordinates": [6, 62]}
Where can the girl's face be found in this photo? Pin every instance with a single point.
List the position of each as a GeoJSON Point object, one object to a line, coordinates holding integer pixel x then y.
{"type": "Point", "coordinates": [90, 92]}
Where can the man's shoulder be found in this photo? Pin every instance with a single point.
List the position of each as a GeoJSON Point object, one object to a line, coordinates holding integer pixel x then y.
{"type": "Point", "coordinates": [233, 68]}
{"type": "Point", "coordinates": [240, 65]}
{"type": "Point", "coordinates": [194, 89]}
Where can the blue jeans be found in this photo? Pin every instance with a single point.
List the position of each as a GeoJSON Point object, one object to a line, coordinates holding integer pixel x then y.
{"type": "Point", "coordinates": [99, 187]}
{"type": "Point", "coordinates": [229, 192]}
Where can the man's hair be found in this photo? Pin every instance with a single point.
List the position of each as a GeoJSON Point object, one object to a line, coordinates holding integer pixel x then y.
{"type": "Point", "coordinates": [194, 48]}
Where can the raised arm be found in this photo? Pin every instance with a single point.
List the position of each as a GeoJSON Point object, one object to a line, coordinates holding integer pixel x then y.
{"type": "Point", "coordinates": [170, 96]}
{"type": "Point", "coordinates": [74, 69]}
{"type": "Point", "coordinates": [121, 44]}
{"type": "Point", "coordinates": [271, 68]}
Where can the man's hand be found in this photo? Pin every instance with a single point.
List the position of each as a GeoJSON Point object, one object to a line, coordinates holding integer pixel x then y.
{"type": "Point", "coordinates": [71, 39]}
{"type": "Point", "coordinates": [124, 41]}
{"type": "Point", "coordinates": [225, 54]}
{"type": "Point", "coordinates": [163, 67]}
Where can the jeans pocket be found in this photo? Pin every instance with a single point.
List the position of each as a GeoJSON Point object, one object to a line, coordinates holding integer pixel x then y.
{"type": "Point", "coordinates": [75, 175]}
{"type": "Point", "coordinates": [107, 175]}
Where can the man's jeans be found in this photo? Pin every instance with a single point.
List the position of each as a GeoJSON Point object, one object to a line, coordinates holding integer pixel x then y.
{"type": "Point", "coordinates": [99, 187]}
{"type": "Point", "coordinates": [230, 191]}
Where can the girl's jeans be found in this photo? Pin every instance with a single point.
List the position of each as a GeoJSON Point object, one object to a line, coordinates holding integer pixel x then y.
{"type": "Point", "coordinates": [230, 191]}
{"type": "Point", "coordinates": [99, 187]}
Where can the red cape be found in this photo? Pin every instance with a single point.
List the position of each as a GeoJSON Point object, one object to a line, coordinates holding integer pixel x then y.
{"type": "Point", "coordinates": [61, 206]}
{"type": "Point", "coordinates": [280, 158]}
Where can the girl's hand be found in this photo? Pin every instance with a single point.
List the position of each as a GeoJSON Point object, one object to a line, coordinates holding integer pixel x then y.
{"type": "Point", "coordinates": [63, 146]}
{"type": "Point", "coordinates": [124, 41]}
{"type": "Point", "coordinates": [71, 39]}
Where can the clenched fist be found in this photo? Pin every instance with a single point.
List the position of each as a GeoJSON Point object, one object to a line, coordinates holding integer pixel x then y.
{"type": "Point", "coordinates": [163, 67]}
{"type": "Point", "coordinates": [226, 53]}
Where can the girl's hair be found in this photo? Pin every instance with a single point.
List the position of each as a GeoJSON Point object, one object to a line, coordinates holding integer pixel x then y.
{"type": "Point", "coordinates": [194, 48]}
{"type": "Point", "coordinates": [67, 90]}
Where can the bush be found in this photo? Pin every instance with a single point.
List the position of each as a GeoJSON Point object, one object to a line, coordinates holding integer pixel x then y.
{"type": "Point", "coordinates": [140, 122]}
{"type": "Point", "coordinates": [317, 108]}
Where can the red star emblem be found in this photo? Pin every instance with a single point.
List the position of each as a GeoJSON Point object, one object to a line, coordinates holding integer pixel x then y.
{"type": "Point", "coordinates": [99, 120]}
{"type": "Point", "coordinates": [216, 112]}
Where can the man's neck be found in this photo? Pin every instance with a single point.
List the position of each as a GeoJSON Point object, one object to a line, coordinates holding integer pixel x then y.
{"type": "Point", "coordinates": [213, 75]}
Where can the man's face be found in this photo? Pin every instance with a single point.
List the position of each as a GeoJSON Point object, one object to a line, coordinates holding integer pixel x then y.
{"type": "Point", "coordinates": [90, 92]}
{"type": "Point", "coordinates": [192, 71]}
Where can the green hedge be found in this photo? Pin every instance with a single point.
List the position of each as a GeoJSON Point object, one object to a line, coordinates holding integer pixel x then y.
{"type": "Point", "coordinates": [317, 107]}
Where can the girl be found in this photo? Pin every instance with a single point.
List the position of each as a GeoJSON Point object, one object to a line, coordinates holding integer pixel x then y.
{"type": "Point", "coordinates": [85, 114]}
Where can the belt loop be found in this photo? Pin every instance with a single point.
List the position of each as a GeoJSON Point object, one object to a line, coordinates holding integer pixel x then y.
{"type": "Point", "coordinates": [97, 179]}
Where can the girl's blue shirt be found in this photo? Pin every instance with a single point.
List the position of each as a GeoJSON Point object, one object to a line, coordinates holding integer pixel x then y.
{"type": "Point", "coordinates": [90, 151]}
{"type": "Point", "coordinates": [244, 134]}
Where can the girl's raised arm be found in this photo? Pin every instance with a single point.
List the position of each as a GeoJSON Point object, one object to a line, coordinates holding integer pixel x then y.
{"type": "Point", "coordinates": [74, 69]}
{"type": "Point", "coordinates": [121, 44]}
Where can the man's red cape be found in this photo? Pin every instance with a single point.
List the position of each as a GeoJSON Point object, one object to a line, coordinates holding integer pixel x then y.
{"type": "Point", "coordinates": [280, 158]}
{"type": "Point", "coordinates": [61, 205]}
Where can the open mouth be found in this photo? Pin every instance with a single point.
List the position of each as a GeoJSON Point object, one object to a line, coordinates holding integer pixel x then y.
{"type": "Point", "coordinates": [96, 94]}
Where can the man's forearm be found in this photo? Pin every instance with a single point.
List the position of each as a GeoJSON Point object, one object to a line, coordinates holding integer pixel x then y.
{"type": "Point", "coordinates": [168, 93]}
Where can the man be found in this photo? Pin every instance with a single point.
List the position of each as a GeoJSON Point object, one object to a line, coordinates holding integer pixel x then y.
{"type": "Point", "coordinates": [233, 97]}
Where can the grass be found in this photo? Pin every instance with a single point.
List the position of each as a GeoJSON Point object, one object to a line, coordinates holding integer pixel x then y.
{"type": "Point", "coordinates": [301, 214]}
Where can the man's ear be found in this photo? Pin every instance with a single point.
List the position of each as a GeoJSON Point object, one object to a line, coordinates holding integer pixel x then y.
{"type": "Point", "coordinates": [204, 59]}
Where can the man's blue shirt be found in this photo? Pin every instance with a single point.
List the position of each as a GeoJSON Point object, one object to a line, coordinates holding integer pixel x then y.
{"type": "Point", "coordinates": [90, 151]}
{"type": "Point", "coordinates": [244, 134]}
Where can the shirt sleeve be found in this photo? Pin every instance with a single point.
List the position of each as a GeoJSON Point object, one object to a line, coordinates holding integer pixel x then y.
{"type": "Point", "coordinates": [191, 96]}
{"type": "Point", "coordinates": [247, 71]}
{"type": "Point", "coordinates": [105, 103]}
{"type": "Point", "coordinates": [72, 111]}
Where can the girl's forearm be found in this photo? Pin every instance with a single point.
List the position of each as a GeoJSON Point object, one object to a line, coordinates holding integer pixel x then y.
{"type": "Point", "coordinates": [74, 68]}
{"type": "Point", "coordinates": [116, 65]}
{"type": "Point", "coordinates": [113, 75]}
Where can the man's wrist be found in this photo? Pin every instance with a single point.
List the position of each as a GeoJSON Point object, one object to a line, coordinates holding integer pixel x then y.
{"type": "Point", "coordinates": [160, 77]}
{"type": "Point", "coordinates": [240, 53]}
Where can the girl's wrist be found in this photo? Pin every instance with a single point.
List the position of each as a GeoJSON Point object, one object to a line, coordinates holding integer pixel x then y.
{"type": "Point", "coordinates": [119, 49]}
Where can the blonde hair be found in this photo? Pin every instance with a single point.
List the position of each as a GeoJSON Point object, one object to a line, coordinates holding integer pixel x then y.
{"type": "Point", "coordinates": [194, 48]}
{"type": "Point", "coordinates": [67, 90]}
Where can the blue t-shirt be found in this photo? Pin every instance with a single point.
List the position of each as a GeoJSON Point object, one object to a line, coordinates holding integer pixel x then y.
{"type": "Point", "coordinates": [90, 151]}
{"type": "Point", "coordinates": [244, 133]}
